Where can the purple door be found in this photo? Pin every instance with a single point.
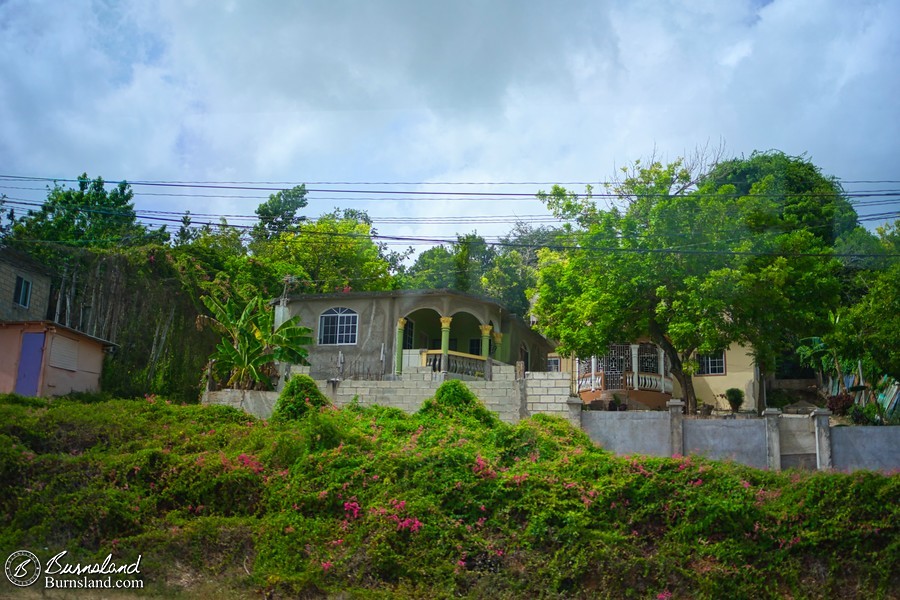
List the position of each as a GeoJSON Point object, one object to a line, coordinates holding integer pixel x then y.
{"type": "Point", "coordinates": [30, 364]}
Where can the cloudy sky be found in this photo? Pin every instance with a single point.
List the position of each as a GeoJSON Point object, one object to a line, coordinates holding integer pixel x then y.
{"type": "Point", "coordinates": [441, 95]}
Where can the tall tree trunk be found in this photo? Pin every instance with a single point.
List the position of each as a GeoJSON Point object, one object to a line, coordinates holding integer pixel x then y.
{"type": "Point", "coordinates": [677, 368]}
{"type": "Point", "coordinates": [59, 298]}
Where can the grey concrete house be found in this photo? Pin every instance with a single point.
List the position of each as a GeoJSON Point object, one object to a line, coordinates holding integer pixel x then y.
{"type": "Point", "coordinates": [374, 335]}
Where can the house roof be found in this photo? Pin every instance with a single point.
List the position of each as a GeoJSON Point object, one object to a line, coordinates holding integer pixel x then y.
{"type": "Point", "coordinates": [53, 325]}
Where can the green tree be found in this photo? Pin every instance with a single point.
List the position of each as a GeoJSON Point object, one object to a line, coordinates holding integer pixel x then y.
{"type": "Point", "coordinates": [251, 343]}
{"type": "Point", "coordinates": [186, 234]}
{"type": "Point", "coordinates": [691, 261]}
{"type": "Point", "coordinates": [89, 216]}
{"type": "Point", "coordinates": [472, 258]}
{"type": "Point", "coordinates": [328, 255]}
{"type": "Point", "coordinates": [868, 328]}
{"type": "Point", "coordinates": [508, 281]}
{"type": "Point", "coordinates": [432, 270]}
{"type": "Point", "coordinates": [278, 214]}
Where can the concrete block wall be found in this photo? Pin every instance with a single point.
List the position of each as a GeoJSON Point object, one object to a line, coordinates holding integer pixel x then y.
{"type": "Point", "coordinates": [544, 393]}
{"type": "Point", "coordinates": [774, 441]}
{"type": "Point", "coordinates": [549, 393]}
{"type": "Point", "coordinates": [739, 440]}
{"type": "Point", "coordinates": [868, 447]}
{"type": "Point", "coordinates": [631, 432]}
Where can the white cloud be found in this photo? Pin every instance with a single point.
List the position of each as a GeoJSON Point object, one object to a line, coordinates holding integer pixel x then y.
{"type": "Point", "coordinates": [454, 91]}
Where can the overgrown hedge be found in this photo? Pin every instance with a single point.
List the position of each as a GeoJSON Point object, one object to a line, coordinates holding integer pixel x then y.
{"type": "Point", "coordinates": [442, 503]}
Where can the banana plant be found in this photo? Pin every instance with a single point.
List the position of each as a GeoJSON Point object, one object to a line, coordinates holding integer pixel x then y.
{"type": "Point", "coordinates": [245, 357]}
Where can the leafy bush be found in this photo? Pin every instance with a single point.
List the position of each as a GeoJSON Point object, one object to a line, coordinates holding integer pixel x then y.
{"type": "Point", "coordinates": [840, 403]}
{"type": "Point", "coordinates": [454, 399]}
{"type": "Point", "coordinates": [299, 396]}
{"type": "Point", "coordinates": [870, 414]}
{"type": "Point", "coordinates": [735, 398]}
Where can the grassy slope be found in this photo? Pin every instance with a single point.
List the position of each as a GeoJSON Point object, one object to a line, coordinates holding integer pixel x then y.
{"type": "Point", "coordinates": [445, 502]}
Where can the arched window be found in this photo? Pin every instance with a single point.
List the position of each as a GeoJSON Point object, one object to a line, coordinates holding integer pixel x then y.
{"type": "Point", "coordinates": [337, 326]}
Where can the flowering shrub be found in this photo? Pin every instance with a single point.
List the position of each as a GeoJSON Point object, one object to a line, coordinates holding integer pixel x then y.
{"type": "Point", "coordinates": [374, 502]}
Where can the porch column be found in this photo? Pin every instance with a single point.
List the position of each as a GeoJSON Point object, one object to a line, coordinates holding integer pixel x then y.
{"type": "Point", "coordinates": [398, 359]}
{"type": "Point", "coordinates": [662, 365]}
{"type": "Point", "coordinates": [498, 340]}
{"type": "Point", "coordinates": [445, 343]}
{"type": "Point", "coordinates": [486, 340]}
{"type": "Point", "coordinates": [634, 361]}
{"type": "Point", "coordinates": [593, 372]}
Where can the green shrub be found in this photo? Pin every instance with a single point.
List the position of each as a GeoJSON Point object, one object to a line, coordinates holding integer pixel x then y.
{"type": "Point", "coordinates": [299, 396]}
{"type": "Point", "coordinates": [28, 401]}
{"type": "Point", "coordinates": [453, 398]}
{"type": "Point", "coordinates": [735, 398]}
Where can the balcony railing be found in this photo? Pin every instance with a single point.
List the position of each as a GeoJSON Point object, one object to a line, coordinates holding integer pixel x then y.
{"type": "Point", "coordinates": [651, 382]}
{"type": "Point", "coordinates": [460, 363]}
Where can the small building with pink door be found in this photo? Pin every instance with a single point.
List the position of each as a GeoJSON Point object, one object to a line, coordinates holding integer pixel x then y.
{"type": "Point", "coordinates": [39, 357]}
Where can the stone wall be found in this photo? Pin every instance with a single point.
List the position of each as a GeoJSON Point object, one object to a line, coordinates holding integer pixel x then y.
{"type": "Point", "coordinates": [739, 440]}
{"type": "Point", "coordinates": [630, 432]}
{"type": "Point", "coordinates": [774, 441]}
{"type": "Point", "coordinates": [873, 448]}
{"type": "Point", "coordinates": [511, 398]}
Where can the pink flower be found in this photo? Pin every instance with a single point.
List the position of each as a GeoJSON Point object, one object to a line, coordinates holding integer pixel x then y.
{"type": "Point", "coordinates": [352, 509]}
{"type": "Point", "coordinates": [326, 565]}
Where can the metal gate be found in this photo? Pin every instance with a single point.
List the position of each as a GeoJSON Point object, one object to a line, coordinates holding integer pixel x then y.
{"type": "Point", "coordinates": [615, 364]}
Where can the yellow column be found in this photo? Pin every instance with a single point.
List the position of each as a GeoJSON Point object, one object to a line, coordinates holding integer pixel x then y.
{"type": "Point", "coordinates": [398, 357]}
{"type": "Point", "coordinates": [498, 340]}
{"type": "Point", "coordinates": [445, 343]}
{"type": "Point", "coordinates": [486, 340]}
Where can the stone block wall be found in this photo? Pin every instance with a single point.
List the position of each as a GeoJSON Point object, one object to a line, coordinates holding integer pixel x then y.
{"type": "Point", "coordinates": [509, 398]}
{"type": "Point", "coordinates": [549, 393]}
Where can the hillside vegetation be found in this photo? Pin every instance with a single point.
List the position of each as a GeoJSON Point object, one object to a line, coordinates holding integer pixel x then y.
{"type": "Point", "coordinates": [447, 502]}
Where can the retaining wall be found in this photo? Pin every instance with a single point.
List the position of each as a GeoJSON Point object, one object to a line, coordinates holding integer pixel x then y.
{"type": "Point", "coordinates": [510, 398]}
{"type": "Point", "coordinates": [774, 441]}
{"type": "Point", "coordinates": [740, 440]}
{"type": "Point", "coordinates": [874, 448]}
{"type": "Point", "coordinates": [630, 432]}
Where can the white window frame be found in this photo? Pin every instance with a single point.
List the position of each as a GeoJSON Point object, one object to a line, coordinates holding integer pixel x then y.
{"type": "Point", "coordinates": [22, 292]}
{"type": "Point", "coordinates": [554, 364]}
{"type": "Point", "coordinates": [338, 327]}
{"type": "Point", "coordinates": [711, 364]}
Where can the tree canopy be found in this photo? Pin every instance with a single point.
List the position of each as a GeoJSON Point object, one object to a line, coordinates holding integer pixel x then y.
{"type": "Point", "coordinates": [694, 261]}
{"type": "Point", "coordinates": [86, 216]}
